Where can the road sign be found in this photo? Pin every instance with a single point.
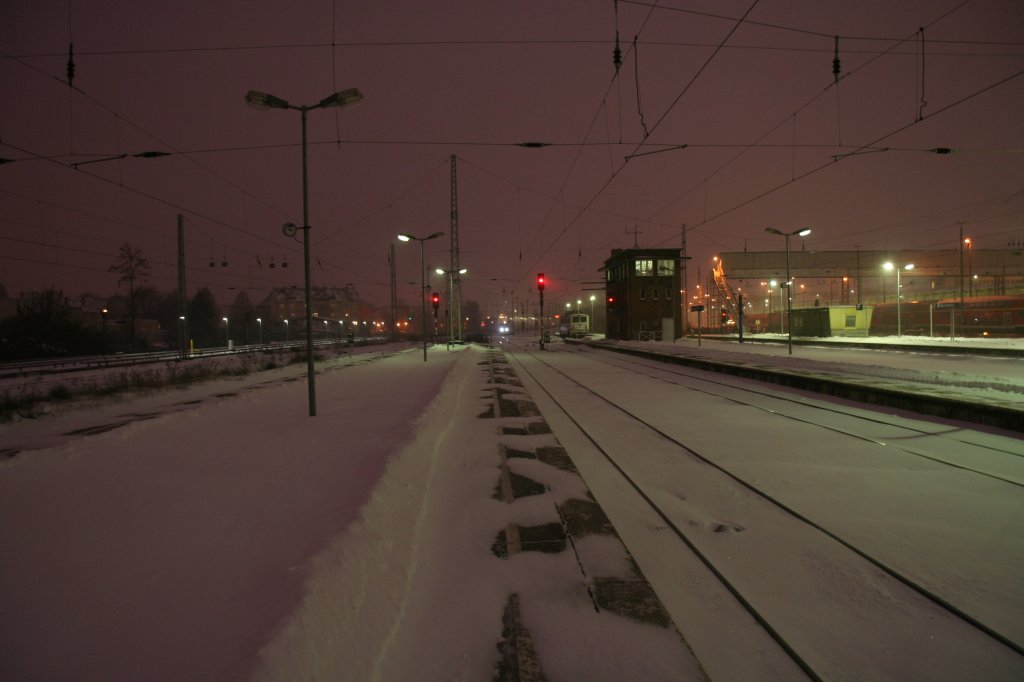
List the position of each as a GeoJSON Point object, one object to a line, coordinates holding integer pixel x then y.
{"type": "Point", "coordinates": [696, 308]}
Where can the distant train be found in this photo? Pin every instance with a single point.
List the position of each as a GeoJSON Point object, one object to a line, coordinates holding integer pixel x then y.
{"type": "Point", "coordinates": [981, 316]}
{"type": "Point", "coordinates": [575, 325]}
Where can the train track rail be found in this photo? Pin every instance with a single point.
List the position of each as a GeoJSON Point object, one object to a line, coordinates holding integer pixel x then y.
{"type": "Point", "coordinates": [912, 397]}
{"type": "Point", "coordinates": [727, 513]}
{"type": "Point", "coordinates": [998, 459]}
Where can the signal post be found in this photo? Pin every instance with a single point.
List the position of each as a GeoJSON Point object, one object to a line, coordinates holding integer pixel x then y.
{"type": "Point", "coordinates": [540, 290]}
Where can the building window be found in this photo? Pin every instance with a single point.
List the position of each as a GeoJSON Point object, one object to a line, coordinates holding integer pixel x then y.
{"type": "Point", "coordinates": [851, 320]}
{"type": "Point", "coordinates": [643, 294]}
{"type": "Point", "coordinates": [654, 293]}
{"type": "Point", "coordinates": [666, 267]}
{"type": "Point", "coordinates": [668, 293]}
{"type": "Point", "coordinates": [644, 267]}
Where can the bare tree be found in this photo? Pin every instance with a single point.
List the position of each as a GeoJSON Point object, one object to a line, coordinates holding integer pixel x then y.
{"type": "Point", "coordinates": [131, 267]}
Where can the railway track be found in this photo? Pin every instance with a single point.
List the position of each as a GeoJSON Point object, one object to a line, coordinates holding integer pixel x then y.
{"type": "Point", "coordinates": [834, 551]}
{"type": "Point", "coordinates": [968, 450]}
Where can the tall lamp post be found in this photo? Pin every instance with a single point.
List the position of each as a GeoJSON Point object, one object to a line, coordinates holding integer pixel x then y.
{"type": "Point", "coordinates": [452, 313]}
{"type": "Point", "coordinates": [899, 292]}
{"type": "Point", "coordinates": [259, 321]}
{"type": "Point", "coordinates": [802, 232]}
{"type": "Point", "coordinates": [262, 100]}
{"type": "Point", "coordinates": [227, 333]}
{"type": "Point", "coordinates": [423, 284]}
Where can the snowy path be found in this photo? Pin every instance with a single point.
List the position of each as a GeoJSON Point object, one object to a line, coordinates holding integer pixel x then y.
{"type": "Point", "coordinates": [954, 531]}
{"type": "Point", "coordinates": [171, 548]}
{"type": "Point", "coordinates": [229, 536]}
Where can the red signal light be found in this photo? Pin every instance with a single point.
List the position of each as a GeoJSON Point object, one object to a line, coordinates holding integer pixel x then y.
{"type": "Point", "coordinates": [540, 281]}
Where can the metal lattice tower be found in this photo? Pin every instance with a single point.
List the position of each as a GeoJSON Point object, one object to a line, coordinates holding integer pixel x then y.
{"type": "Point", "coordinates": [455, 294]}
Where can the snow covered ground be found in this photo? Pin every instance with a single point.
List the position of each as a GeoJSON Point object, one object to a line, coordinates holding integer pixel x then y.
{"type": "Point", "coordinates": [220, 533]}
{"type": "Point", "coordinates": [995, 378]}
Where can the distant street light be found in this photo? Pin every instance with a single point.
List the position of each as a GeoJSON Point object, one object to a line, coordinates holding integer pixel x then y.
{"type": "Point", "coordinates": [287, 335]}
{"type": "Point", "coordinates": [227, 334]}
{"type": "Point", "coordinates": [592, 298]}
{"type": "Point", "coordinates": [802, 232]}
{"type": "Point", "coordinates": [103, 327]}
{"type": "Point", "coordinates": [423, 283]}
{"type": "Point", "coordinates": [181, 332]}
{"type": "Point", "coordinates": [259, 321]}
{"type": "Point", "coordinates": [899, 292]}
{"type": "Point", "coordinates": [343, 98]}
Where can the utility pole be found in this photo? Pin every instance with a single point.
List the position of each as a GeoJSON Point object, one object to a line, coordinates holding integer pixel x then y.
{"type": "Point", "coordinates": [394, 295]}
{"type": "Point", "coordinates": [961, 224]}
{"type": "Point", "coordinates": [685, 293]}
{"type": "Point", "coordinates": [455, 288]}
{"type": "Point", "coordinates": [182, 295]}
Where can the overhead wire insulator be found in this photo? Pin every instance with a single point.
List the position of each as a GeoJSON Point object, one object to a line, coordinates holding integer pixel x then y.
{"type": "Point", "coordinates": [71, 64]}
{"type": "Point", "coordinates": [835, 62]}
{"type": "Point", "coordinates": [617, 52]}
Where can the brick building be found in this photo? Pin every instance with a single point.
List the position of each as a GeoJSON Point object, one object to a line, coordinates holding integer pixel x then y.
{"type": "Point", "coordinates": [642, 294]}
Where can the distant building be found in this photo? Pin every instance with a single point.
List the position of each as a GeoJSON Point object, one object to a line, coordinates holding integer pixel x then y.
{"type": "Point", "coordinates": [642, 294]}
{"type": "Point", "coordinates": [333, 303]}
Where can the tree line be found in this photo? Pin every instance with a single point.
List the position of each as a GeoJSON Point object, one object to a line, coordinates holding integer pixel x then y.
{"type": "Point", "coordinates": [46, 324]}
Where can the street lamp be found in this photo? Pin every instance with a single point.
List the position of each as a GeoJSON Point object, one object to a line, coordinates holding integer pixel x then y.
{"type": "Point", "coordinates": [259, 321]}
{"type": "Point", "coordinates": [181, 332]}
{"type": "Point", "coordinates": [343, 98]}
{"type": "Point", "coordinates": [970, 266]}
{"type": "Point", "coordinates": [227, 334]}
{"type": "Point", "coordinates": [592, 298]}
{"type": "Point", "coordinates": [802, 232]}
{"type": "Point", "coordinates": [287, 332]}
{"type": "Point", "coordinates": [423, 284]}
{"type": "Point", "coordinates": [452, 313]}
{"type": "Point", "coordinates": [103, 328]}
{"type": "Point", "coordinates": [899, 293]}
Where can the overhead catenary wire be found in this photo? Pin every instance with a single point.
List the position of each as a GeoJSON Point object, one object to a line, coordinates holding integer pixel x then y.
{"type": "Point", "coordinates": [803, 107]}
{"type": "Point", "coordinates": [873, 143]}
{"type": "Point", "coordinates": [657, 123]}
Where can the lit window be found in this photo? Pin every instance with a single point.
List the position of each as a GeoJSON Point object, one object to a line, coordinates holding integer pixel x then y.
{"type": "Point", "coordinates": [666, 267]}
{"type": "Point", "coordinates": [644, 267]}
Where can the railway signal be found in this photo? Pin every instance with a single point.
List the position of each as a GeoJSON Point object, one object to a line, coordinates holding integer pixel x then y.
{"type": "Point", "coordinates": [541, 281]}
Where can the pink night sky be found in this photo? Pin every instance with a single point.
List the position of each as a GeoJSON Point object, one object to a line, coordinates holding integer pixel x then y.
{"type": "Point", "coordinates": [771, 137]}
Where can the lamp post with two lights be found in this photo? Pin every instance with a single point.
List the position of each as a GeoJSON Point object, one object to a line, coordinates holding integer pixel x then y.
{"type": "Point", "coordinates": [342, 98]}
{"type": "Point", "coordinates": [405, 237]}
